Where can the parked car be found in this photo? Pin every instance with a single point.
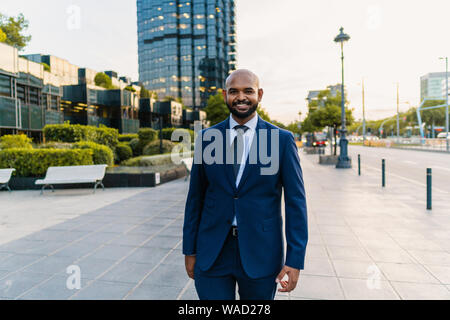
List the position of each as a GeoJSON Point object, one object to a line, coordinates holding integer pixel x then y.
{"type": "Point", "coordinates": [442, 135]}
{"type": "Point", "coordinates": [320, 139]}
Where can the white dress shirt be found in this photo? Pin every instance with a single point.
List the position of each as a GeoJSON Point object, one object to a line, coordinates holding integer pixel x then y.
{"type": "Point", "coordinates": [248, 139]}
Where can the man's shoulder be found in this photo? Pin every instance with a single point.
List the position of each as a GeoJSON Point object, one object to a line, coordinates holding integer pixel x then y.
{"type": "Point", "coordinates": [217, 126]}
{"type": "Point", "coordinates": [283, 133]}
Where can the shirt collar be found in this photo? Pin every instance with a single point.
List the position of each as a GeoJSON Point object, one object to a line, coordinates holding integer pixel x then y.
{"type": "Point", "coordinates": [251, 123]}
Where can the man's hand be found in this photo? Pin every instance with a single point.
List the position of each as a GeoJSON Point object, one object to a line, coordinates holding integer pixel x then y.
{"type": "Point", "coordinates": [293, 275]}
{"type": "Point", "coordinates": [189, 262]}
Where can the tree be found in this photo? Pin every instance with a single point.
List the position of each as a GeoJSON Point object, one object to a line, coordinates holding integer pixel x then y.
{"type": "Point", "coordinates": [103, 80]}
{"type": "Point", "coordinates": [216, 108]}
{"type": "Point", "coordinates": [13, 28]}
{"type": "Point", "coordinates": [130, 88]}
{"type": "Point", "coordinates": [144, 92]}
{"type": "Point", "coordinates": [2, 36]}
{"type": "Point", "coordinates": [46, 66]}
{"type": "Point", "coordinates": [325, 111]}
{"type": "Point", "coordinates": [263, 114]}
{"type": "Point", "coordinates": [434, 116]}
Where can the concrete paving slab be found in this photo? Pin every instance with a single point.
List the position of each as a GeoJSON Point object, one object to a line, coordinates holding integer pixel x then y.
{"type": "Point", "coordinates": [421, 291]}
{"type": "Point", "coordinates": [358, 289]}
{"type": "Point", "coordinates": [318, 287]}
{"type": "Point", "coordinates": [406, 272]}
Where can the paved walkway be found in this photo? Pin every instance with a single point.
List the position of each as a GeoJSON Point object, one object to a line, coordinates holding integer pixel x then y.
{"type": "Point", "coordinates": [365, 242]}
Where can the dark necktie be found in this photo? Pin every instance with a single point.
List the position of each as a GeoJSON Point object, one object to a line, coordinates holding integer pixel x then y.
{"type": "Point", "coordinates": [236, 164]}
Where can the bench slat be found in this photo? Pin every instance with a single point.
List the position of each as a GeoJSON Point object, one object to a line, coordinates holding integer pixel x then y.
{"type": "Point", "coordinates": [73, 174]}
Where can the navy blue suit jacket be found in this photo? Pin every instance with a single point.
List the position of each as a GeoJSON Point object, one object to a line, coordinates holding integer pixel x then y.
{"type": "Point", "coordinates": [213, 200]}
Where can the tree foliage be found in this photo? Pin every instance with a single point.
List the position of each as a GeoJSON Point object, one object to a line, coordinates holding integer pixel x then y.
{"type": "Point", "coordinates": [2, 36]}
{"type": "Point", "coordinates": [216, 109]}
{"type": "Point", "coordinates": [13, 28]}
{"type": "Point", "coordinates": [103, 80]}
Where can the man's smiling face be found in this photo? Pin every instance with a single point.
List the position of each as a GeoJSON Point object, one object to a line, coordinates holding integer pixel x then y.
{"type": "Point", "coordinates": [242, 94]}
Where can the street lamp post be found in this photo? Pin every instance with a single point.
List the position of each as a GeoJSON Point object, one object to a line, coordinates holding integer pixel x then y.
{"type": "Point", "coordinates": [344, 161]}
{"type": "Point", "coordinates": [446, 101]}
{"type": "Point", "coordinates": [364, 114]}
{"type": "Point", "coordinates": [398, 112]}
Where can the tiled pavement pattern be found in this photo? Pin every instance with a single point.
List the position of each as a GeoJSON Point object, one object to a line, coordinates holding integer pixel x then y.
{"type": "Point", "coordinates": [364, 243]}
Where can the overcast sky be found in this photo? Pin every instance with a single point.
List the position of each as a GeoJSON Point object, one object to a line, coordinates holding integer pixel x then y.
{"type": "Point", "coordinates": [288, 43]}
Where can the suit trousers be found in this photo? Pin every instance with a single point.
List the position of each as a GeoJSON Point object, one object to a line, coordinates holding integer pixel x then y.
{"type": "Point", "coordinates": [219, 282]}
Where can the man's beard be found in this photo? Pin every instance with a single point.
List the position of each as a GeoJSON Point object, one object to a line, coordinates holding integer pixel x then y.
{"type": "Point", "coordinates": [243, 115]}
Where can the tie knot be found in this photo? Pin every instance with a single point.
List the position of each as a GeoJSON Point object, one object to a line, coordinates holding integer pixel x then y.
{"type": "Point", "coordinates": [244, 128]}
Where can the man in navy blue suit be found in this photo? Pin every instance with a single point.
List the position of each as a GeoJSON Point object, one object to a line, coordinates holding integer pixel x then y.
{"type": "Point", "coordinates": [233, 222]}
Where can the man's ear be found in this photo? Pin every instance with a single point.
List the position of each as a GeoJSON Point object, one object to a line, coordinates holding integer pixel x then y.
{"type": "Point", "coordinates": [260, 94]}
{"type": "Point", "coordinates": [224, 94]}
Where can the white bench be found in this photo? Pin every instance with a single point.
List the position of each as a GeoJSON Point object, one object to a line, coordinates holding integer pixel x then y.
{"type": "Point", "coordinates": [73, 174]}
{"type": "Point", "coordinates": [5, 176]}
{"type": "Point", "coordinates": [188, 164]}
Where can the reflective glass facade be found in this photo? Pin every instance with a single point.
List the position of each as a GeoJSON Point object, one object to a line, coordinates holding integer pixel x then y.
{"type": "Point", "coordinates": [186, 47]}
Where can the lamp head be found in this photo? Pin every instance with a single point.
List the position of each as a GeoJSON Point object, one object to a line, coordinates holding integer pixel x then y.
{"type": "Point", "coordinates": [342, 37]}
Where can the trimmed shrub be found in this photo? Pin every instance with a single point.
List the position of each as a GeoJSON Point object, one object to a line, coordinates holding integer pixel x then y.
{"type": "Point", "coordinates": [128, 137]}
{"type": "Point", "coordinates": [123, 151]}
{"type": "Point", "coordinates": [146, 161]}
{"type": "Point", "coordinates": [152, 148]}
{"type": "Point", "coordinates": [135, 146]}
{"type": "Point", "coordinates": [55, 145]}
{"type": "Point", "coordinates": [167, 133]}
{"type": "Point", "coordinates": [35, 162]}
{"type": "Point", "coordinates": [75, 132]}
{"type": "Point", "coordinates": [15, 141]}
{"type": "Point", "coordinates": [107, 136]}
{"type": "Point", "coordinates": [147, 135]}
{"type": "Point", "coordinates": [100, 154]}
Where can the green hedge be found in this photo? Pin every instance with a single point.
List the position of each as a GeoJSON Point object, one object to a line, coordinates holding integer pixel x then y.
{"type": "Point", "coordinates": [146, 135]}
{"type": "Point", "coordinates": [15, 141]}
{"type": "Point", "coordinates": [167, 133]}
{"type": "Point", "coordinates": [135, 146]}
{"type": "Point", "coordinates": [123, 151]}
{"type": "Point", "coordinates": [55, 145]}
{"type": "Point", "coordinates": [128, 137]}
{"type": "Point", "coordinates": [153, 147]}
{"type": "Point", "coordinates": [76, 132]}
{"type": "Point", "coordinates": [146, 161]}
{"type": "Point", "coordinates": [100, 154]}
{"type": "Point", "coordinates": [35, 162]}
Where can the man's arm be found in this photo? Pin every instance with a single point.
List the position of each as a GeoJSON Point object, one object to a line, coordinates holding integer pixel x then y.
{"type": "Point", "coordinates": [296, 223]}
{"type": "Point", "coordinates": [194, 203]}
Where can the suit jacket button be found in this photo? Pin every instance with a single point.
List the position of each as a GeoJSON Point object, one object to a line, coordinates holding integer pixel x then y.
{"type": "Point", "coordinates": [229, 221]}
{"type": "Point", "coordinates": [236, 197]}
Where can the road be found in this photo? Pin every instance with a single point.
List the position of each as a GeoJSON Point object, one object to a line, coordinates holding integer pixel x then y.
{"type": "Point", "coordinates": [409, 165]}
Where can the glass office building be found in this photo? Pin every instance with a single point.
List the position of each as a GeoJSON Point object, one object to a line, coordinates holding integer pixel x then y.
{"type": "Point", "coordinates": [187, 48]}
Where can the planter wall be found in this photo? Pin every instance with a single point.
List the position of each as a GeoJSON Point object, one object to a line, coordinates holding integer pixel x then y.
{"type": "Point", "coordinates": [111, 180]}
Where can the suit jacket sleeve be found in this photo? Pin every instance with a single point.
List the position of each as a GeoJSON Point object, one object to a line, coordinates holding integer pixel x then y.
{"type": "Point", "coordinates": [296, 221]}
{"type": "Point", "coordinates": [194, 202]}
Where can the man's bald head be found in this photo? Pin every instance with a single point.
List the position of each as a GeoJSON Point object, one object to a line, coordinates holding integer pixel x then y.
{"type": "Point", "coordinates": [243, 75]}
{"type": "Point", "coordinates": [242, 94]}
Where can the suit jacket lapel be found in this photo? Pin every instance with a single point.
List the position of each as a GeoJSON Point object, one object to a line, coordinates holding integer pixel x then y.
{"type": "Point", "coordinates": [252, 168]}
{"type": "Point", "coordinates": [228, 167]}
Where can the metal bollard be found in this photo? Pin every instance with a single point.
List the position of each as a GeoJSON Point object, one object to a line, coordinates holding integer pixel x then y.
{"type": "Point", "coordinates": [383, 173]}
{"type": "Point", "coordinates": [429, 189]}
{"type": "Point", "coordinates": [359, 164]}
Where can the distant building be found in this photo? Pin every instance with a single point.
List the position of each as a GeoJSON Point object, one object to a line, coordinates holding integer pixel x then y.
{"type": "Point", "coordinates": [334, 91]}
{"type": "Point", "coordinates": [32, 97]}
{"type": "Point", "coordinates": [433, 86]}
{"type": "Point", "coordinates": [29, 96]}
{"type": "Point", "coordinates": [36, 90]}
{"type": "Point", "coordinates": [186, 48]}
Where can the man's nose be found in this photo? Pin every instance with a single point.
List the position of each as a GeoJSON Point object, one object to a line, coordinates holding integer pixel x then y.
{"type": "Point", "coordinates": [241, 96]}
